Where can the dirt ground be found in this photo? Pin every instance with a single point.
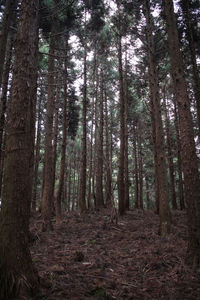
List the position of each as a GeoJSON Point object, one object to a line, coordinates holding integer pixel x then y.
{"type": "Point", "coordinates": [88, 257]}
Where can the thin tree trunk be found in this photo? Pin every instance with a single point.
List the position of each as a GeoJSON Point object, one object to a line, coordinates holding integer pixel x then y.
{"type": "Point", "coordinates": [126, 169]}
{"type": "Point", "coordinates": [55, 138]}
{"type": "Point", "coordinates": [63, 156]}
{"type": "Point", "coordinates": [170, 154]}
{"type": "Point", "coordinates": [190, 162]}
{"type": "Point", "coordinates": [108, 160]}
{"type": "Point", "coordinates": [47, 197]}
{"type": "Point", "coordinates": [179, 161]}
{"type": "Point", "coordinates": [140, 172]}
{"type": "Point", "coordinates": [147, 192]}
{"type": "Point", "coordinates": [99, 164]}
{"type": "Point", "coordinates": [136, 195]}
{"type": "Point", "coordinates": [83, 176]}
{"type": "Point", "coordinates": [91, 154]}
{"type": "Point", "coordinates": [121, 188]}
{"type": "Point", "coordinates": [37, 153]}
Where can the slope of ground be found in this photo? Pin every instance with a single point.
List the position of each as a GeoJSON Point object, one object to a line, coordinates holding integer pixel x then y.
{"type": "Point", "coordinates": [88, 257]}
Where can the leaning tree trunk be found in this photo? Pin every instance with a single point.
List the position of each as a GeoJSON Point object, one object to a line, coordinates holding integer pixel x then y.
{"type": "Point", "coordinates": [164, 211]}
{"type": "Point", "coordinates": [16, 267]}
{"type": "Point", "coordinates": [189, 157]}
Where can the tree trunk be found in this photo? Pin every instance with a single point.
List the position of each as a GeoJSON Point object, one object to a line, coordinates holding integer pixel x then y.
{"type": "Point", "coordinates": [190, 162]}
{"type": "Point", "coordinates": [179, 160]}
{"type": "Point", "coordinates": [147, 191]}
{"type": "Point", "coordinates": [83, 175]}
{"type": "Point", "coordinates": [16, 267]}
{"type": "Point", "coordinates": [55, 137]}
{"type": "Point", "coordinates": [63, 155]}
{"type": "Point", "coordinates": [136, 195]}
{"type": "Point", "coordinates": [140, 171]}
{"type": "Point", "coordinates": [37, 154]}
{"type": "Point", "coordinates": [126, 169]}
{"type": "Point", "coordinates": [3, 104]}
{"type": "Point", "coordinates": [196, 77]}
{"type": "Point", "coordinates": [9, 12]}
{"type": "Point", "coordinates": [108, 159]}
{"type": "Point", "coordinates": [170, 154]}
{"type": "Point", "coordinates": [47, 196]}
{"type": "Point", "coordinates": [99, 164]}
{"type": "Point", "coordinates": [164, 211]}
{"type": "Point", "coordinates": [121, 189]}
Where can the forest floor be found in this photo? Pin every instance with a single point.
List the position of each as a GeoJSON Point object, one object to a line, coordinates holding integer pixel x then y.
{"type": "Point", "coordinates": [88, 257]}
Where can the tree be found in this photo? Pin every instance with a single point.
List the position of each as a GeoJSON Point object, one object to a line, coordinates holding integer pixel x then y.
{"type": "Point", "coordinates": [190, 163]}
{"type": "Point", "coordinates": [47, 195]}
{"type": "Point", "coordinates": [99, 167]}
{"type": "Point", "coordinates": [83, 177]}
{"type": "Point", "coordinates": [121, 187]}
{"type": "Point", "coordinates": [169, 151]}
{"type": "Point", "coordinates": [63, 153]}
{"type": "Point", "coordinates": [186, 7]}
{"type": "Point", "coordinates": [164, 211]}
{"type": "Point", "coordinates": [9, 12]}
{"type": "Point", "coordinates": [16, 267]}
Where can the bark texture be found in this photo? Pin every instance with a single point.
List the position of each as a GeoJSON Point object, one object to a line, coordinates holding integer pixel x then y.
{"type": "Point", "coordinates": [189, 158]}
{"type": "Point", "coordinates": [16, 267]}
{"type": "Point", "coordinates": [164, 211]}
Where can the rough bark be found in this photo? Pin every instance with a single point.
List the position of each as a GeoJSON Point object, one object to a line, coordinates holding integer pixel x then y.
{"type": "Point", "coordinates": [16, 267]}
{"type": "Point", "coordinates": [195, 71]}
{"type": "Point", "coordinates": [4, 101]}
{"type": "Point", "coordinates": [189, 158]}
{"type": "Point", "coordinates": [9, 12]}
{"type": "Point", "coordinates": [164, 211]}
